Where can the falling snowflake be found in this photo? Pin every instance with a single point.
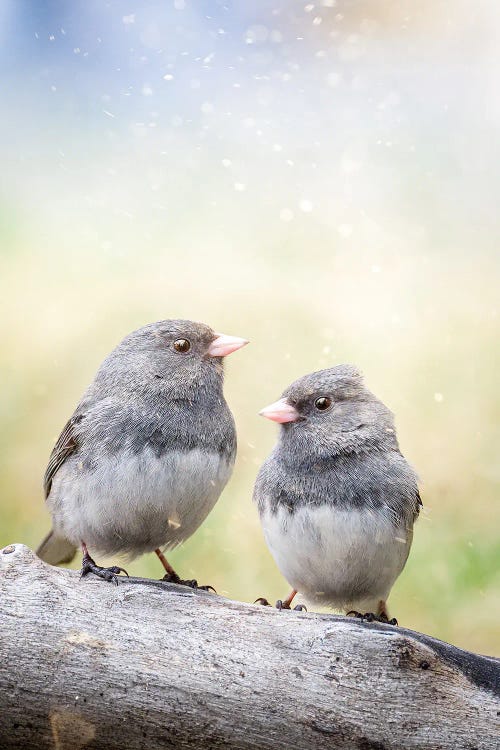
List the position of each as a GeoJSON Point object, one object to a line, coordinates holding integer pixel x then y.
{"type": "Point", "coordinates": [286, 214]}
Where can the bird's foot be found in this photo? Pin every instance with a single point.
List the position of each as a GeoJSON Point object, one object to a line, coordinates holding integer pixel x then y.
{"type": "Point", "coordinates": [285, 605]}
{"type": "Point", "coordinates": [372, 617]}
{"type": "Point", "coordinates": [191, 583]}
{"type": "Point", "coordinates": [280, 604]}
{"type": "Point", "coordinates": [107, 574]}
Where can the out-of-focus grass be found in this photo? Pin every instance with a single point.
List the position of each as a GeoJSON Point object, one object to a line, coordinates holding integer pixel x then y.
{"type": "Point", "coordinates": [431, 358]}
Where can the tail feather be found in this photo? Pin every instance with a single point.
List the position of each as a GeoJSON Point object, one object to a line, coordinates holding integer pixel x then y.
{"type": "Point", "coordinates": [56, 550]}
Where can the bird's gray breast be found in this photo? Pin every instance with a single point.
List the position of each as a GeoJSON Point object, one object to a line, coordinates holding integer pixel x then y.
{"type": "Point", "coordinates": [132, 504]}
{"type": "Point", "coordinates": [339, 532]}
{"type": "Point", "coordinates": [334, 556]}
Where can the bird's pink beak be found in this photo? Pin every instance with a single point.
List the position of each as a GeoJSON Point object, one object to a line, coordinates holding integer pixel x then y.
{"type": "Point", "coordinates": [281, 411]}
{"type": "Point", "coordinates": [224, 345]}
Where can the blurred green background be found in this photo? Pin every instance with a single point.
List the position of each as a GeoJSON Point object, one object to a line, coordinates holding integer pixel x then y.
{"type": "Point", "coordinates": [319, 178]}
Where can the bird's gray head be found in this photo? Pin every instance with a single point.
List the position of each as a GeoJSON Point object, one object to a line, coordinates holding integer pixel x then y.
{"type": "Point", "coordinates": [171, 356]}
{"type": "Point", "coordinates": [331, 412]}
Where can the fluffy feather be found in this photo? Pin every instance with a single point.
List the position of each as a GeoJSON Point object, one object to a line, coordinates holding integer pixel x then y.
{"type": "Point", "coordinates": [148, 450]}
{"type": "Point", "coordinates": [336, 498]}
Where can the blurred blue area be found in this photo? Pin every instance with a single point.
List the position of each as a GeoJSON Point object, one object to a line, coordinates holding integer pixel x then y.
{"type": "Point", "coordinates": [406, 108]}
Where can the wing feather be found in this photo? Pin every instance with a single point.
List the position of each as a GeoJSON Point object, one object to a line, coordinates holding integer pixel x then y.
{"type": "Point", "coordinates": [66, 445]}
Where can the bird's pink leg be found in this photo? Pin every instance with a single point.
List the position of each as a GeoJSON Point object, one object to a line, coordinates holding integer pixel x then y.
{"type": "Point", "coordinates": [168, 568]}
{"type": "Point", "coordinates": [285, 603]}
{"type": "Point", "coordinates": [282, 604]}
{"type": "Point", "coordinates": [172, 577]}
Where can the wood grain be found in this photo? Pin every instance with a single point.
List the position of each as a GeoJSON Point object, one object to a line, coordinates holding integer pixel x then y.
{"type": "Point", "coordinates": [145, 664]}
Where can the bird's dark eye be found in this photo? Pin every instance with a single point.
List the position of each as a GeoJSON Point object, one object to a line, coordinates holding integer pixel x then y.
{"type": "Point", "coordinates": [323, 403]}
{"type": "Point", "coordinates": [182, 346]}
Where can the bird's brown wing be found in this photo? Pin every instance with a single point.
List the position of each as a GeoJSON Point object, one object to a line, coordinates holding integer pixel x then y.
{"type": "Point", "coordinates": [418, 505]}
{"type": "Point", "coordinates": [67, 444]}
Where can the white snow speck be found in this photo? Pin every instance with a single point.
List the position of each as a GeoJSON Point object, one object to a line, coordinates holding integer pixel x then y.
{"type": "Point", "coordinates": [207, 108]}
{"type": "Point", "coordinates": [256, 34]}
{"type": "Point", "coordinates": [308, 8]}
{"type": "Point", "coordinates": [240, 186]}
{"type": "Point", "coordinates": [306, 206]}
{"type": "Point", "coordinates": [179, 4]}
{"type": "Point", "coordinates": [345, 230]}
{"type": "Point", "coordinates": [333, 79]}
{"type": "Point", "coordinates": [438, 397]}
{"type": "Point", "coordinates": [351, 49]}
{"type": "Point", "coordinates": [168, 77]}
{"type": "Point", "coordinates": [147, 90]}
{"type": "Point", "coordinates": [286, 214]}
{"type": "Point", "coordinates": [226, 163]}
{"type": "Point", "coordinates": [317, 20]}
{"type": "Point", "coordinates": [109, 114]}
{"type": "Point", "coordinates": [350, 164]}
{"type": "Point", "coordinates": [128, 20]}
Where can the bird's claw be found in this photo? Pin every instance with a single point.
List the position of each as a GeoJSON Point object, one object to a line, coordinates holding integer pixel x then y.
{"type": "Point", "coordinates": [280, 605]}
{"type": "Point", "coordinates": [107, 574]}
{"type": "Point", "coordinates": [372, 617]}
{"type": "Point", "coordinates": [191, 583]}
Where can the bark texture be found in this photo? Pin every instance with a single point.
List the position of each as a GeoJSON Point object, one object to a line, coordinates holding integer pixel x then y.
{"type": "Point", "coordinates": [145, 664]}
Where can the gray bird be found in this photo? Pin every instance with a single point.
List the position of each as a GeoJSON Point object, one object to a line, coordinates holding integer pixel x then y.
{"type": "Point", "coordinates": [147, 452]}
{"type": "Point", "coordinates": [336, 498]}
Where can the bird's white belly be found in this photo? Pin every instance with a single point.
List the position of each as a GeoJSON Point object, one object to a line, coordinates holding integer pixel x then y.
{"type": "Point", "coordinates": [136, 506]}
{"type": "Point", "coordinates": [347, 559]}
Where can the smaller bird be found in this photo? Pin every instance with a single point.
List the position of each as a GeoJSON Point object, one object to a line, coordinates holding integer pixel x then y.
{"type": "Point", "coordinates": [147, 451]}
{"type": "Point", "coordinates": [336, 498]}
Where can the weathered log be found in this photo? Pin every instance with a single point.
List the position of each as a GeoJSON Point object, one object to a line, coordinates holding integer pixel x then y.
{"type": "Point", "coordinates": [146, 664]}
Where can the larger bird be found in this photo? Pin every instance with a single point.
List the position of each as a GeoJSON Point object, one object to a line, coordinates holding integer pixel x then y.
{"type": "Point", "coordinates": [337, 499]}
{"type": "Point", "coordinates": [147, 451]}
